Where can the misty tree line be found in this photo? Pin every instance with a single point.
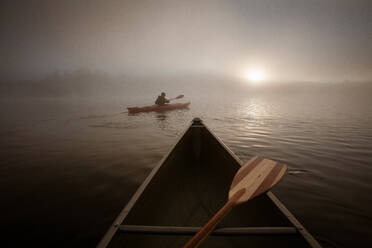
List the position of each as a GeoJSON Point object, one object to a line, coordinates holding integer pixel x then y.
{"type": "Point", "coordinates": [84, 83]}
{"type": "Point", "coordinates": [78, 83]}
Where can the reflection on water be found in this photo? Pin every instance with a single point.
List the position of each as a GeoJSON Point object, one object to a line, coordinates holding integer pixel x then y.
{"type": "Point", "coordinates": [62, 161]}
{"type": "Point", "coordinates": [162, 120]}
{"type": "Point", "coordinates": [161, 116]}
{"type": "Point", "coordinates": [256, 108]}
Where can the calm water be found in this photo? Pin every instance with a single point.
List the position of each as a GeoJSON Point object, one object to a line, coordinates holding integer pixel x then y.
{"type": "Point", "coordinates": [68, 166]}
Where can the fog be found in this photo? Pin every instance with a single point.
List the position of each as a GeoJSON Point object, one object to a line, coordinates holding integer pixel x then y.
{"type": "Point", "coordinates": [134, 89]}
{"type": "Point", "coordinates": [292, 40]}
{"type": "Point", "coordinates": [289, 80]}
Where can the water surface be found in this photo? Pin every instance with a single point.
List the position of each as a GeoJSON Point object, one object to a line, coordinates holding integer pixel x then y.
{"type": "Point", "coordinates": [69, 165]}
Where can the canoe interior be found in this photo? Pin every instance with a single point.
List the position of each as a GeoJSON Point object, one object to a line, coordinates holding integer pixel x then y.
{"type": "Point", "coordinates": [190, 186]}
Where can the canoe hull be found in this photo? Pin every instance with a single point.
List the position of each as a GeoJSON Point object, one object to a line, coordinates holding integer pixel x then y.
{"type": "Point", "coordinates": [157, 108]}
{"type": "Point", "coordinates": [187, 188]}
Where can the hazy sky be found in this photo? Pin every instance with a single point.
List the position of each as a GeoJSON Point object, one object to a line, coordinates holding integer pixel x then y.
{"type": "Point", "coordinates": [289, 39]}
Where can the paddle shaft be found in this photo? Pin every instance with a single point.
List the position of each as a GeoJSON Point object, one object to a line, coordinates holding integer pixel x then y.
{"type": "Point", "coordinates": [178, 97]}
{"type": "Point", "coordinates": [212, 223]}
{"type": "Point", "coordinates": [255, 177]}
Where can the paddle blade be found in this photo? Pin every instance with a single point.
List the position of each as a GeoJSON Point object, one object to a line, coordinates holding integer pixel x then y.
{"type": "Point", "coordinates": [257, 176]}
{"type": "Point", "coordinates": [180, 96]}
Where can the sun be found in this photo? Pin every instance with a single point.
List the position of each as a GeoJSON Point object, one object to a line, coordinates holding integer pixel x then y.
{"type": "Point", "coordinates": [255, 75]}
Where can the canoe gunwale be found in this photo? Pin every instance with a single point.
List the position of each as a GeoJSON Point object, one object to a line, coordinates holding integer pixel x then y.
{"type": "Point", "coordinates": [297, 227]}
{"type": "Point", "coordinates": [114, 227]}
{"type": "Point", "coordinates": [301, 229]}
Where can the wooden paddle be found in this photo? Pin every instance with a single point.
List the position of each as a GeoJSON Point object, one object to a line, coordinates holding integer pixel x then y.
{"type": "Point", "coordinates": [257, 176]}
{"type": "Point", "coordinates": [178, 97]}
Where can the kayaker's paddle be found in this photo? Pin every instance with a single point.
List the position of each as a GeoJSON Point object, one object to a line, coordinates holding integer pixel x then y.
{"type": "Point", "coordinates": [257, 176]}
{"type": "Point", "coordinates": [178, 97]}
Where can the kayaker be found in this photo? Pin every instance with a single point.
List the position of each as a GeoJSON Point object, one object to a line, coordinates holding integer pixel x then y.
{"type": "Point", "coordinates": [161, 100]}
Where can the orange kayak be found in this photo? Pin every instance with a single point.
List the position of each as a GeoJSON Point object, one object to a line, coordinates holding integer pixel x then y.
{"type": "Point", "coordinates": [172, 106]}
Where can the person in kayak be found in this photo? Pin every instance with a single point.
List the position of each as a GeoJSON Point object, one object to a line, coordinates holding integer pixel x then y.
{"type": "Point", "coordinates": [161, 100]}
